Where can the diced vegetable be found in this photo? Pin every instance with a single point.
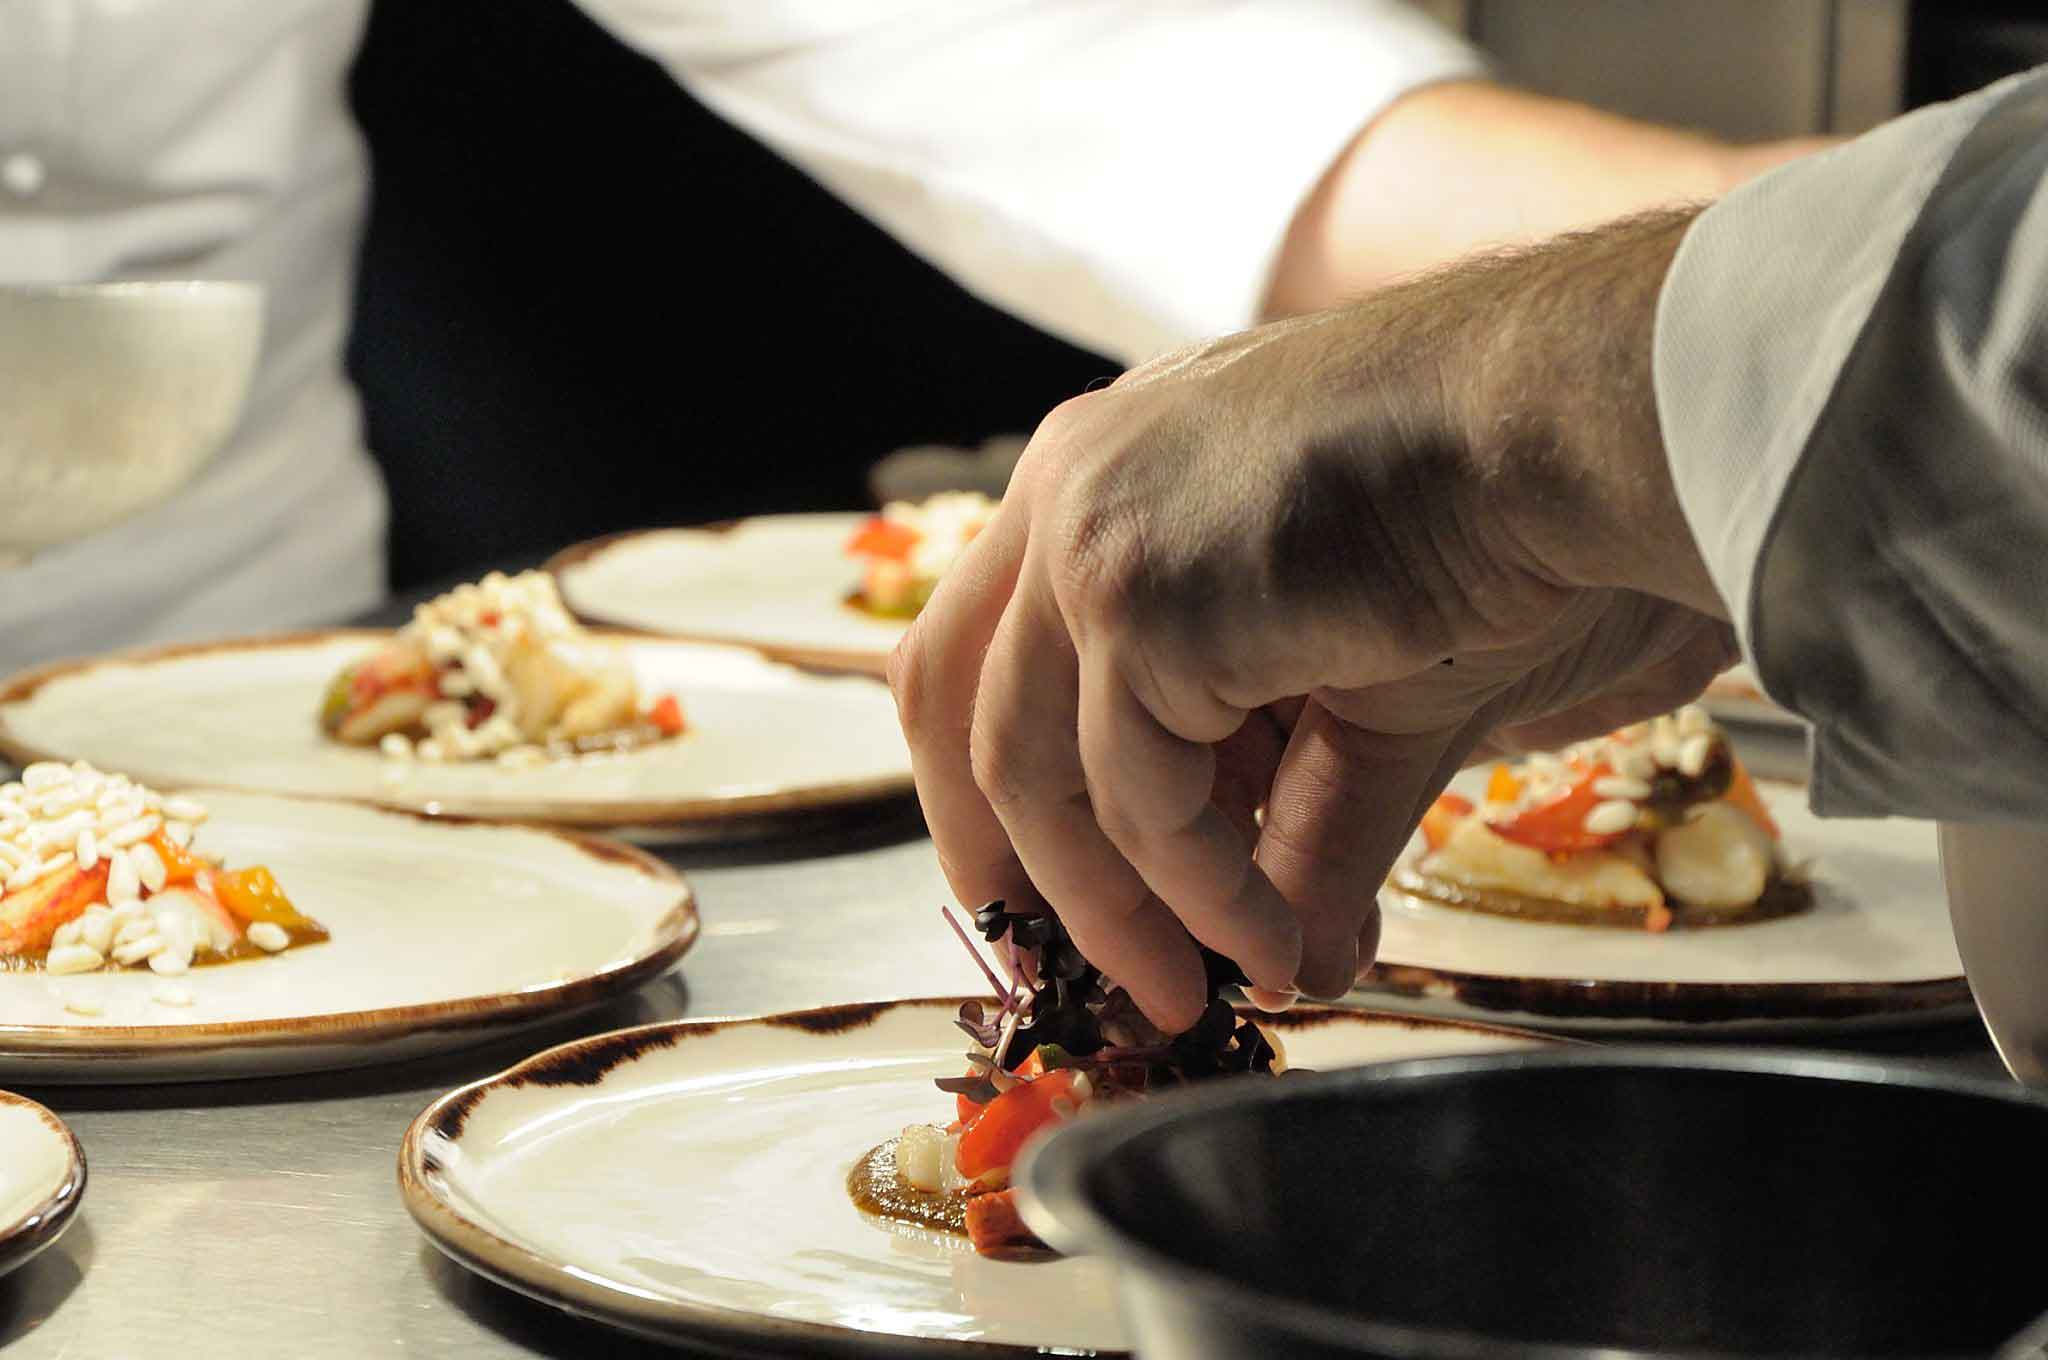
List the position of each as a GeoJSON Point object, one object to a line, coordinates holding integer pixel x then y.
{"type": "Point", "coordinates": [1743, 794]}
{"type": "Point", "coordinates": [1558, 825]}
{"type": "Point", "coordinates": [180, 865]}
{"type": "Point", "coordinates": [1444, 815]}
{"type": "Point", "coordinates": [880, 537]}
{"type": "Point", "coordinates": [667, 714]}
{"type": "Point", "coordinates": [253, 895]}
{"type": "Point", "coordinates": [1502, 786]}
{"type": "Point", "coordinates": [993, 1222]}
{"type": "Point", "coordinates": [993, 1140]}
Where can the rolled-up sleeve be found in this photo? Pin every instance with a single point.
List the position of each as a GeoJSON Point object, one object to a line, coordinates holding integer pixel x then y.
{"type": "Point", "coordinates": [1852, 378]}
{"type": "Point", "coordinates": [1120, 172]}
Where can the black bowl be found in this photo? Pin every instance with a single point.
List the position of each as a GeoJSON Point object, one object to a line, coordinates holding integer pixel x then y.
{"type": "Point", "coordinates": [1647, 1201]}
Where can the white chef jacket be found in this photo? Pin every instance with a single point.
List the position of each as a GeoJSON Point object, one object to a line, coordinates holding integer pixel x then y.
{"type": "Point", "coordinates": [1852, 377]}
{"type": "Point", "coordinates": [1121, 172]}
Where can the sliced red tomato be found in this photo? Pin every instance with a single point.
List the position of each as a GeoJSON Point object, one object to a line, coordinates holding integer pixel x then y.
{"type": "Point", "coordinates": [1032, 1066]}
{"type": "Point", "coordinates": [993, 1140]}
{"type": "Point", "coordinates": [1443, 815]}
{"type": "Point", "coordinates": [880, 537]}
{"type": "Point", "coordinates": [1558, 824]}
{"type": "Point", "coordinates": [667, 714]}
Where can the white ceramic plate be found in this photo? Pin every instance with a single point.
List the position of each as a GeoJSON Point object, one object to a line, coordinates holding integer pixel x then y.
{"type": "Point", "coordinates": [42, 1179]}
{"type": "Point", "coordinates": [778, 582]}
{"type": "Point", "coordinates": [1734, 696]}
{"type": "Point", "coordinates": [687, 1181]}
{"type": "Point", "coordinates": [764, 738]}
{"type": "Point", "coordinates": [1875, 948]}
{"type": "Point", "coordinates": [444, 933]}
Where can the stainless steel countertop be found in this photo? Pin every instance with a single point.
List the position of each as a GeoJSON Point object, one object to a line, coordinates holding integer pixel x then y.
{"type": "Point", "coordinates": [263, 1217]}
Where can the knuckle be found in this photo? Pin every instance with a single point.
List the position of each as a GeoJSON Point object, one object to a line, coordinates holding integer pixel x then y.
{"type": "Point", "coordinates": [1009, 768]}
{"type": "Point", "coordinates": [908, 684]}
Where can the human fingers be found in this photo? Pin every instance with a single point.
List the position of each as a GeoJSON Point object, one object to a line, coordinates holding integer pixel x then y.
{"type": "Point", "coordinates": [1028, 766]}
{"type": "Point", "coordinates": [1152, 789]}
{"type": "Point", "coordinates": [934, 673]}
{"type": "Point", "coordinates": [1343, 804]}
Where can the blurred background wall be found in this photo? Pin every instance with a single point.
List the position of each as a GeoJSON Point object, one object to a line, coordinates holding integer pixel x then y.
{"type": "Point", "coordinates": [587, 304]}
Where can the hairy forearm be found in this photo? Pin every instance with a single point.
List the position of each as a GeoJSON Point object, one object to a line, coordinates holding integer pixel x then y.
{"type": "Point", "coordinates": [1464, 165]}
{"type": "Point", "coordinates": [1551, 378]}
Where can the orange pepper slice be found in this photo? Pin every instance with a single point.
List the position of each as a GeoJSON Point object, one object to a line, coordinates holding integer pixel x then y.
{"type": "Point", "coordinates": [1742, 793]}
{"type": "Point", "coordinates": [1502, 786]}
{"type": "Point", "coordinates": [180, 864]}
{"type": "Point", "coordinates": [253, 895]}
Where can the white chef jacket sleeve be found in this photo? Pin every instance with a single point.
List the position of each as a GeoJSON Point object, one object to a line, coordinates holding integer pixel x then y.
{"type": "Point", "coordinates": [1852, 377]}
{"type": "Point", "coordinates": [1119, 172]}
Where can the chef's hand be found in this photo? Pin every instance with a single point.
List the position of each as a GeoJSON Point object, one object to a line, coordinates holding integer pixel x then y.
{"type": "Point", "coordinates": [1316, 567]}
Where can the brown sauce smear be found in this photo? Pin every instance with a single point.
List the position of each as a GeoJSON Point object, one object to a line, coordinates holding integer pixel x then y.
{"type": "Point", "coordinates": [310, 933]}
{"type": "Point", "coordinates": [1782, 897]}
{"type": "Point", "coordinates": [878, 1188]}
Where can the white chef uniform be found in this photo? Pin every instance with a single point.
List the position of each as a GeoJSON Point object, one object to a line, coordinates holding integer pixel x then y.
{"type": "Point", "coordinates": [1119, 171]}
{"type": "Point", "coordinates": [1852, 376]}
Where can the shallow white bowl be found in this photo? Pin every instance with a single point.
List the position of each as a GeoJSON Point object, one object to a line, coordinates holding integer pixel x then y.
{"type": "Point", "coordinates": [112, 395]}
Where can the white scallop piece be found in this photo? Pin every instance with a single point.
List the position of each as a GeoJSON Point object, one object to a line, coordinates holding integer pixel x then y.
{"type": "Point", "coordinates": [688, 1180]}
{"type": "Point", "coordinates": [1875, 948]}
{"type": "Point", "coordinates": [570, 919]}
{"type": "Point", "coordinates": [778, 582]}
{"type": "Point", "coordinates": [42, 1179]}
{"type": "Point", "coordinates": [763, 738]}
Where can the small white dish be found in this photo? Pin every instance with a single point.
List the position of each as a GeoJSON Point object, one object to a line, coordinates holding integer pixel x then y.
{"type": "Point", "coordinates": [777, 582]}
{"type": "Point", "coordinates": [688, 1181]}
{"type": "Point", "coordinates": [112, 395]}
{"type": "Point", "coordinates": [443, 933]}
{"type": "Point", "coordinates": [42, 1179]}
{"type": "Point", "coordinates": [763, 738]}
{"type": "Point", "coordinates": [1875, 949]}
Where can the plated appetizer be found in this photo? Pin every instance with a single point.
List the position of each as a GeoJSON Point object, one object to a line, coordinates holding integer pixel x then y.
{"type": "Point", "coordinates": [1654, 826]}
{"type": "Point", "coordinates": [1062, 1040]}
{"type": "Point", "coordinates": [100, 874]}
{"type": "Point", "coordinates": [496, 670]}
{"type": "Point", "coordinates": [910, 545]}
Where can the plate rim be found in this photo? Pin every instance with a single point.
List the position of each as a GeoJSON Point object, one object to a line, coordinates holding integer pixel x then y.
{"type": "Point", "coordinates": [28, 1236]}
{"type": "Point", "coordinates": [843, 793]}
{"type": "Point", "coordinates": [589, 1296]}
{"type": "Point", "coordinates": [834, 659]}
{"type": "Point", "coordinates": [676, 930]}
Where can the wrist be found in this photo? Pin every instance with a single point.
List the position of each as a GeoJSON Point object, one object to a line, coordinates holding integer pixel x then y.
{"type": "Point", "coordinates": [1555, 394]}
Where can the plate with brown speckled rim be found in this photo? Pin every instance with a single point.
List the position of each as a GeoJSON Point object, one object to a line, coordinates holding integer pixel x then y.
{"type": "Point", "coordinates": [763, 739]}
{"type": "Point", "coordinates": [781, 583]}
{"type": "Point", "coordinates": [1874, 949]}
{"type": "Point", "coordinates": [42, 1179]}
{"type": "Point", "coordinates": [688, 1181]}
{"type": "Point", "coordinates": [442, 934]}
